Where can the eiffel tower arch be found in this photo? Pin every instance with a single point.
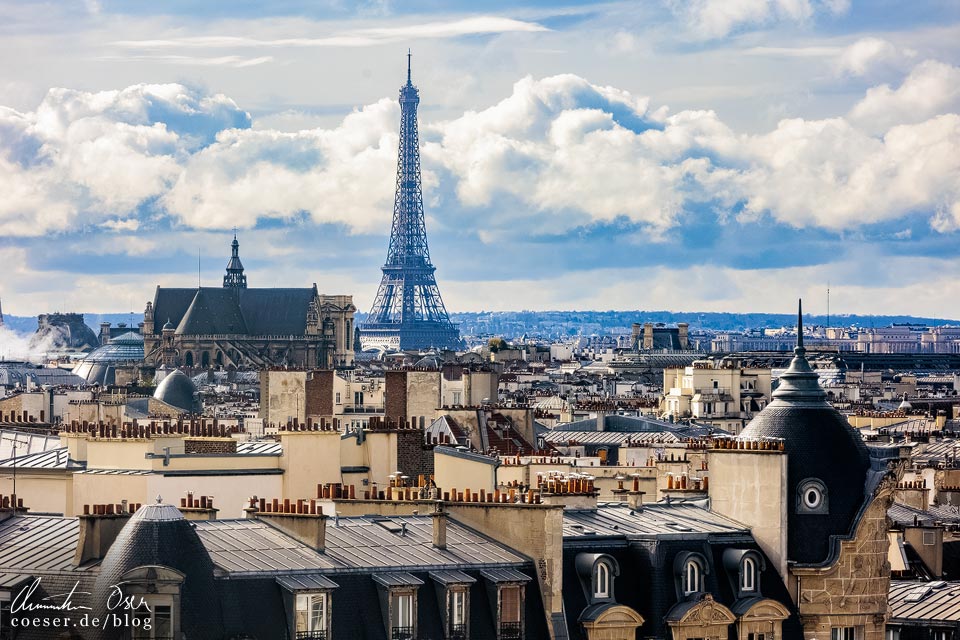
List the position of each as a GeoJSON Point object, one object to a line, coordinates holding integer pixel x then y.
{"type": "Point", "coordinates": [408, 312]}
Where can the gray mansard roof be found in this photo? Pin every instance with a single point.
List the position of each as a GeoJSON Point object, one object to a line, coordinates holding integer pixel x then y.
{"type": "Point", "coordinates": [217, 310]}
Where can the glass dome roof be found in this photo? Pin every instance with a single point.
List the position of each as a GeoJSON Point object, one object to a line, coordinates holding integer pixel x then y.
{"type": "Point", "coordinates": [128, 346]}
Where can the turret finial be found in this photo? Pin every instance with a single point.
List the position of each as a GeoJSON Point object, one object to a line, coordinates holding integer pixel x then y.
{"type": "Point", "coordinates": [799, 347]}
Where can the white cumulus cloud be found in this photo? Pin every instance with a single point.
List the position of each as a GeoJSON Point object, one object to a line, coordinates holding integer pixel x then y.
{"type": "Point", "coordinates": [555, 154]}
{"type": "Point", "coordinates": [932, 88]}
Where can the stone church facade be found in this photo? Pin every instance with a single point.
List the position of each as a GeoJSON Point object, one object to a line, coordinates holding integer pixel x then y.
{"type": "Point", "coordinates": [234, 326]}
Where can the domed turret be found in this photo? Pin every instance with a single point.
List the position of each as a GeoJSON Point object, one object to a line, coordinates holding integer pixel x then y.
{"type": "Point", "coordinates": [155, 540]}
{"type": "Point", "coordinates": [827, 459]}
{"type": "Point", "coordinates": [178, 391]}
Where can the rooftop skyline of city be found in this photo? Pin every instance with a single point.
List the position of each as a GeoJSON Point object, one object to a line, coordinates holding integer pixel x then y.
{"type": "Point", "coordinates": [694, 156]}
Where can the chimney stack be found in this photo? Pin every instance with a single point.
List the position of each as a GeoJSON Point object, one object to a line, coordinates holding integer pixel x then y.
{"type": "Point", "coordinates": [99, 526]}
{"type": "Point", "coordinates": [439, 526]}
{"type": "Point", "coordinates": [302, 520]}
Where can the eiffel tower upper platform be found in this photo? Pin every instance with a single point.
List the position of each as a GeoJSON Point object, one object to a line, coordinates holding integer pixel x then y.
{"type": "Point", "coordinates": [408, 312]}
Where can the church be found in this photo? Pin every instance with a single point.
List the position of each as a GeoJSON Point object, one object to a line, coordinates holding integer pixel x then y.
{"type": "Point", "coordinates": [235, 326]}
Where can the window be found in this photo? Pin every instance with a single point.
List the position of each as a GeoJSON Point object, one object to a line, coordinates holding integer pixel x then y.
{"type": "Point", "coordinates": [757, 636]}
{"type": "Point", "coordinates": [402, 616]}
{"type": "Point", "coordinates": [338, 397]}
{"type": "Point", "coordinates": [929, 538]}
{"type": "Point", "coordinates": [748, 575]}
{"type": "Point", "coordinates": [154, 622]}
{"type": "Point", "coordinates": [601, 580]}
{"type": "Point", "coordinates": [456, 398]}
{"type": "Point", "coordinates": [893, 633]}
{"type": "Point", "coordinates": [511, 624]}
{"type": "Point", "coordinates": [812, 497]}
{"type": "Point", "coordinates": [311, 616]}
{"type": "Point", "coordinates": [459, 617]}
{"type": "Point", "coordinates": [843, 633]}
{"type": "Point", "coordinates": [358, 398]}
{"type": "Point", "coordinates": [691, 577]}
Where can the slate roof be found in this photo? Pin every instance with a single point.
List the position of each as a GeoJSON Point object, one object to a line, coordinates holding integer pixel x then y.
{"type": "Point", "coordinates": [217, 310]}
{"type": "Point", "coordinates": [158, 534]}
{"type": "Point", "coordinates": [820, 444]}
{"type": "Point", "coordinates": [178, 390]}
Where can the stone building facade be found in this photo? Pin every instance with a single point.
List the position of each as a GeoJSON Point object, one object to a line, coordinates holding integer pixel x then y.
{"type": "Point", "coordinates": [234, 326]}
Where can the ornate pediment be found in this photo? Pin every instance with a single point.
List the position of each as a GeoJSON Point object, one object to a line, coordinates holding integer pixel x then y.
{"type": "Point", "coordinates": [703, 612]}
{"type": "Point", "coordinates": [765, 609]}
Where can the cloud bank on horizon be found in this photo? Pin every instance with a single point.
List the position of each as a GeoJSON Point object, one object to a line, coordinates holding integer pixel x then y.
{"type": "Point", "coordinates": [568, 187]}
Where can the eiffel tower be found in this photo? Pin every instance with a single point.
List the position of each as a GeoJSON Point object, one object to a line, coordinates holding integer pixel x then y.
{"type": "Point", "coordinates": [408, 312]}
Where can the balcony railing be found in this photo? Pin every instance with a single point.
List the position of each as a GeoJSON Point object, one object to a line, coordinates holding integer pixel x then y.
{"type": "Point", "coordinates": [312, 635]}
{"type": "Point", "coordinates": [402, 633]}
{"type": "Point", "coordinates": [511, 631]}
{"type": "Point", "coordinates": [363, 408]}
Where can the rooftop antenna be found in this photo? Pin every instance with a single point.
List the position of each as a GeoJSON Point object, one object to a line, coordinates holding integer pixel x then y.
{"type": "Point", "coordinates": [198, 267]}
{"type": "Point", "coordinates": [408, 66]}
{"type": "Point", "coordinates": [828, 304]}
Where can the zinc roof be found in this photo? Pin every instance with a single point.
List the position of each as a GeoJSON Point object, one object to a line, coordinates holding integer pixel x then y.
{"type": "Point", "coordinates": [924, 601]}
{"type": "Point", "coordinates": [253, 547]}
{"type": "Point", "coordinates": [259, 448]}
{"type": "Point", "coordinates": [365, 542]}
{"type": "Point", "coordinates": [52, 459]}
{"type": "Point", "coordinates": [397, 579]}
{"type": "Point", "coordinates": [352, 544]}
{"type": "Point", "coordinates": [38, 543]}
{"type": "Point", "coordinates": [609, 437]}
{"type": "Point", "coordinates": [653, 520]}
{"type": "Point", "coordinates": [306, 582]}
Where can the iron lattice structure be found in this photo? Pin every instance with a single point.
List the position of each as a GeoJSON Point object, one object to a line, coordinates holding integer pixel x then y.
{"type": "Point", "coordinates": [408, 312]}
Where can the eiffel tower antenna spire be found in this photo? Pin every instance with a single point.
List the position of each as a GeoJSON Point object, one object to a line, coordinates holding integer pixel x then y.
{"type": "Point", "coordinates": [408, 312]}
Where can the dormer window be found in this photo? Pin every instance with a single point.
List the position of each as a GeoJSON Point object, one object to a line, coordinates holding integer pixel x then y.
{"type": "Point", "coordinates": [748, 575]}
{"type": "Point", "coordinates": [312, 616]}
{"type": "Point", "coordinates": [691, 577]}
{"type": "Point", "coordinates": [505, 589]}
{"type": "Point", "coordinates": [812, 497]}
{"type": "Point", "coordinates": [310, 597]}
{"type": "Point", "coordinates": [601, 580]}
{"type": "Point", "coordinates": [399, 596]}
{"type": "Point", "coordinates": [455, 614]}
{"type": "Point", "coordinates": [689, 569]}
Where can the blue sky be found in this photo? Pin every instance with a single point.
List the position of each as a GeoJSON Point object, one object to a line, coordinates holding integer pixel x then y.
{"type": "Point", "coordinates": [715, 155]}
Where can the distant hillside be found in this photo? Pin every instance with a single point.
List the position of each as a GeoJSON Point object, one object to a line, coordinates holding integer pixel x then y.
{"type": "Point", "coordinates": [28, 324]}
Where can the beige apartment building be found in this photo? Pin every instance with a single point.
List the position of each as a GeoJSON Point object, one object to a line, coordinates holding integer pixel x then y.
{"type": "Point", "coordinates": [720, 393]}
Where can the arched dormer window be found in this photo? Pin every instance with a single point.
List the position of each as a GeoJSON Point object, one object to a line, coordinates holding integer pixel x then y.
{"type": "Point", "coordinates": [743, 568]}
{"type": "Point", "coordinates": [748, 575]}
{"type": "Point", "coordinates": [692, 577]}
{"type": "Point", "coordinates": [597, 572]}
{"type": "Point", "coordinates": [689, 570]}
{"type": "Point", "coordinates": [601, 580]}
